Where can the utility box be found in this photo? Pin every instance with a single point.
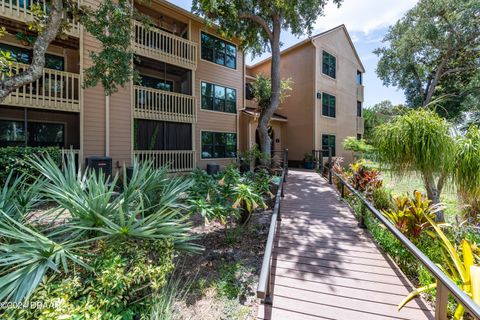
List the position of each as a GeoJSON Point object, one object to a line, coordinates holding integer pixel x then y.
{"type": "Point", "coordinates": [97, 163]}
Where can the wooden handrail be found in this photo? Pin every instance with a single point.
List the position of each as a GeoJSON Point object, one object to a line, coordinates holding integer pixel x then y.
{"type": "Point", "coordinates": [156, 104]}
{"type": "Point", "coordinates": [155, 43]}
{"type": "Point", "coordinates": [444, 284]}
{"type": "Point", "coordinates": [264, 290]}
{"type": "Point", "coordinates": [55, 90]}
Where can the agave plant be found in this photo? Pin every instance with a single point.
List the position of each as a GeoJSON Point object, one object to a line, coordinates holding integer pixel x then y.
{"type": "Point", "coordinates": [17, 197]}
{"type": "Point", "coordinates": [458, 265]}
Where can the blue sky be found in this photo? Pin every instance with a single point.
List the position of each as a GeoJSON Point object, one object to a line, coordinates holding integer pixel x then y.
{"type": "Point", "coordinates": [367, 22]}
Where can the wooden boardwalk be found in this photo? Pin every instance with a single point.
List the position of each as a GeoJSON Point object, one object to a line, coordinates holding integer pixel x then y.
{"type": "Point", "coordinates": [326, 267]}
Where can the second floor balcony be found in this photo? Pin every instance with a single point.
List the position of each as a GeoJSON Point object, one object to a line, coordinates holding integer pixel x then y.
{"type": "Point", "coordinates": [155, 43]}
{"type": "Point", "coordinates": [54, 90]}
{"type": "Point", "coordinates": [157, 104]}
{"type": "Point", "coordinates": [20, 10]}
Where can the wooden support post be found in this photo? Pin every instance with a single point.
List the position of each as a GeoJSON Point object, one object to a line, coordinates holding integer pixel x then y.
{"type": "Point", "coordinates": [441, 302]}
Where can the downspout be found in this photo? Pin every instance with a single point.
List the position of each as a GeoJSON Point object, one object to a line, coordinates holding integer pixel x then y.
{"type": "Point", "coordinates": [315, 109]}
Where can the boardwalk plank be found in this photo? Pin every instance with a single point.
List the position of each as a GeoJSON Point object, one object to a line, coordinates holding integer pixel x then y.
{"type": "Point", "coordinates": [325, 267]}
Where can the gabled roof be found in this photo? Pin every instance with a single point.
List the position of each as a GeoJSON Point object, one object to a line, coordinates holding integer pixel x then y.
{"type": "Point", "coordinates": [309, 40]}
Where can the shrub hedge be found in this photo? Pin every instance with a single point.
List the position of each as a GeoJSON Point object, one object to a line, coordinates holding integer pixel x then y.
{"type": "Point", "coordinates": [14, 159]}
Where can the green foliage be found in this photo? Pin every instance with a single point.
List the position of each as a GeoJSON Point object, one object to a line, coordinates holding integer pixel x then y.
{"type": "Point", "coordinates": [378, 114]}
{"type": "Point", "coordinates": [110, 24]}
{"type": "Point", "coordinates": [14, 160]}
{"type": "Point", "coordinates": [121, 284]}
{"type": "Point", "coordinates": [233, 280]}
{"type": "Point", "coordinates": [298, 18]}
{"type": "Point", "coordinates": [467, 171]}
{"type": "Point", "coordinates": [357, 145]}
{"type": "Point", "coordinates": [434, 49]}
{"type": "Point", "coordinates": [410, 214]}
{"type": "Point", "coordinates": [19, 196]}
{"type": "Point", "coordinates": [253, 154]}
{"type": "Point", "coordinates": [246, 200]}
{"type": "Point", "coordinates": [381, 198]}
{"type": "Point", "coordinates": [262, 90]}
{"type": "Point", "coordinates": [364, 178]}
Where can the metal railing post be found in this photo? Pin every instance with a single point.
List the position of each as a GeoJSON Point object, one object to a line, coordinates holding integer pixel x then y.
{"type": "Point", "coordinates": [285, 165]}
{"type": "Point", "coordinates": [330, 165]}
{"type": "Point", "coordinates": [321, 161]}
{"type": "Point", "coordinates": [342, 189]}
{"type": "Point", "coordinates": [361, 218]}
{"type": "Point", "coordinates": [441, 301]}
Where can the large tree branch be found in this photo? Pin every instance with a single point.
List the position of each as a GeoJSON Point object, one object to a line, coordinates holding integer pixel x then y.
{"type": "Point", "coordinates": [419, 83]}
{"type": "Point", "coordinates": [439, 72]}
{"type": "Point", "coordinates": [35, 70]}
{"type": "Point", "coordinates": [259, 20]}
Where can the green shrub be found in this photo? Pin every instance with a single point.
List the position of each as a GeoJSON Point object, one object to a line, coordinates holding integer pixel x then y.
{"type": "Point", "coordinates": [14, 159]}
{"type": "Point", "coordinates": [357, 145]}
{"type": "Point", "coordinates": [120, 285]}
{"type": "Point", "coordinates": [381, 198]}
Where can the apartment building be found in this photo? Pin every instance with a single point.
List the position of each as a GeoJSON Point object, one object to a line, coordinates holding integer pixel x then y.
{"type": "Point", "coordinates": [183, 111]}
{"type": "Point", "coordinates": [325, 105]}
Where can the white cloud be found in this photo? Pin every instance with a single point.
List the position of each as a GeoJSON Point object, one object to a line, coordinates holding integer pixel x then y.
{"type": "Point", "coordinates": [363, 15]}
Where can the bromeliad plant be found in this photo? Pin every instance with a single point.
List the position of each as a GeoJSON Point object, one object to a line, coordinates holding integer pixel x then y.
{"type": "Point", "coordinates": [459, 265]}
{"type": "Point", "coordinates": [411, 214]}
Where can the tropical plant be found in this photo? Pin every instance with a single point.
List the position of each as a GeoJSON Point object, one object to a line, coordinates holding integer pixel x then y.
{"type": "Point", "coordinates": [357, 145]}
{"type": "Point", "coordinates": [18, 197]}
{"type": "Point", "coordinates": [260, 182]}
{"type": "Point", "coordinates": [458, 265]}
{"type": "Point", "coordinates": [364, 178]}
{"type": "Point", "coordinates": [418, 142]}
{"type": "Point", "coordinates": [381, 198]}
{"type": "Point", "coordinates": [203, 207]}
{"type": "Point", "coordinates": [411, 213]}
{"type": "Point", "coordinates": [247, 201]}
{"type": "Point", "coordinates": [467, 172]}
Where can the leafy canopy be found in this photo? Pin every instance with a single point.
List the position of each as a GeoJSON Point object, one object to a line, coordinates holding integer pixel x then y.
{"type": "Point", "coordinates": [262, 90]}
{"type": "Point", "coordinates": [433, 52]}
{"type": "Point", "coordinates": [241, 18]}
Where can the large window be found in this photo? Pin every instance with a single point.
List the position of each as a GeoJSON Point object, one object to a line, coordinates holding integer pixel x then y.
{"type": "Point", "coordinates": [359, 109]}
{"type": "Point", "coordinates": [162, 135]}
{"type": "Point", "coordinates": [23, 55]}
{"type": "Point", "coordinates": [328, 141]}
{"type": "Point", "coordinates": [39, 134]}
{"type": "Point", "coordinates": [219, 51]}
{"type": "Point", "coordinates": [219, 145]}
{"type": "Point", "coordinates": [329, 65]}
{"type": "Point", "coordinates": [218, 98]}
{"type": "Point", "coordinates": [328, 105]}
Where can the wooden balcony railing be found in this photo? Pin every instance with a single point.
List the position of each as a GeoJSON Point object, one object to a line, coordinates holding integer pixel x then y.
{"type": "Point", "coordinates": [360, 125]}
{"type": "Point", "coordinates": [175, 160]}
{"type": "Point", "coordinates": [157, 44]}
{"type": "Point", "coordinates": [55, 90]}
{"type": "Point", "coordinates": [19, 10]}
{"type": "Point", "coordinates": [155, 104]}
{"type": "Point", "coordinates": [360, 89]}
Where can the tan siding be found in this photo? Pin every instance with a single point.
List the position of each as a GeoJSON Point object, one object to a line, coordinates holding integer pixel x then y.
{"type": "Point", "coordinates": [94, 103]}
{"type": "Point", "coordinates": [120, 127]}
{"type": "Point", "coordinates": [298, 65]}
{"type": "Point", "coordinates": [209, 120]}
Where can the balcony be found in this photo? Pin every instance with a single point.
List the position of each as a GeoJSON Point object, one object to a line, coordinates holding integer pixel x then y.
{"type": "Point", "coordinates": [156, 104]}
{"type": "Point", "coordinates": [19, 10]}
{"type": "Point", "coordinates": [360, 125]}
{"type": "Point", "coordinates": [157, 44]}
{"type": "Point", "coordinates": [360, 89]}
{"type": "Point", "coordinates": [176, 160]}
{"type": "Point", "coordinates": [55, 90]}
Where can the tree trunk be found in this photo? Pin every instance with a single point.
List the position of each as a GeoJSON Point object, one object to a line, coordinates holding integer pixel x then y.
{"type": "Point", "coordinates": [35, 70]}
{"type": "Point", "coordinates": [433, 193]}
{"type": "Point", "coordinates": [267, 113]}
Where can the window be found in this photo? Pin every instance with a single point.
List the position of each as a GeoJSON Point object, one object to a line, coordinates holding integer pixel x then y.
{"type": "Point", "coordinates": [248, 91]}
{"type": "Point", "coordinates": [219, 51]}
{"type": "Point", "coordinates": [328, 141]}
{"type": "Point", "coordinates": [359, 136]}
{"type": "Point", "coordinates": [359, 77]}
{"type": "Point", "coordinates": [329, 65]}
{"type": "Point", "coordinates": [359, 109]}
{"type": "Point", "coordinates": [219, 145]}
{"type": "Point", "coordinates": [162, 135]}
{"type": "Point", "coordinates": [39, 134]}
{"type": "Point", "coordinates": [328, 105]}
{"type": "Point", "coordinates": [151, 82]}
{"type": "Point", "coordinates": [218, 98]}
{"type": "Point", "coordinates": [23, 55]}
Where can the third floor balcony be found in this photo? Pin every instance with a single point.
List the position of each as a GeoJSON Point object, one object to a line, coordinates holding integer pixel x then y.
{"type": "Point", "coordinates": [154, 43]}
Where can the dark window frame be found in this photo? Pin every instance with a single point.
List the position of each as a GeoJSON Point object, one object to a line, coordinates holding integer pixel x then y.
{"type": "Point", "coordinates": [165, 82]}
{"type": "Point", "coordinates": [329, 138]}
{"type": "Point", "coordinates": [359, 109]}
{"type": "Point", "coordinates": [329, 64]}
{"type": "Point", "coordinates": [359, 79]}
{"type": "Point", "coordinates": [329, 109]}
{"type": "Point", "coordinates": [211, 102]}
{"type": "Point", "coordinates": [50, 59]}
{"type": "Point", "coordinates": [218, 51]}
{"type": "Point", "coordinates": [28, 134]}
{"type": "Point", "coordinates": [216, 148]}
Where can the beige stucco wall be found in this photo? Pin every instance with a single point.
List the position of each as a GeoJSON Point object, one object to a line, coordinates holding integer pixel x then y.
{"type": "Point", "coordinates": [344, 88]}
